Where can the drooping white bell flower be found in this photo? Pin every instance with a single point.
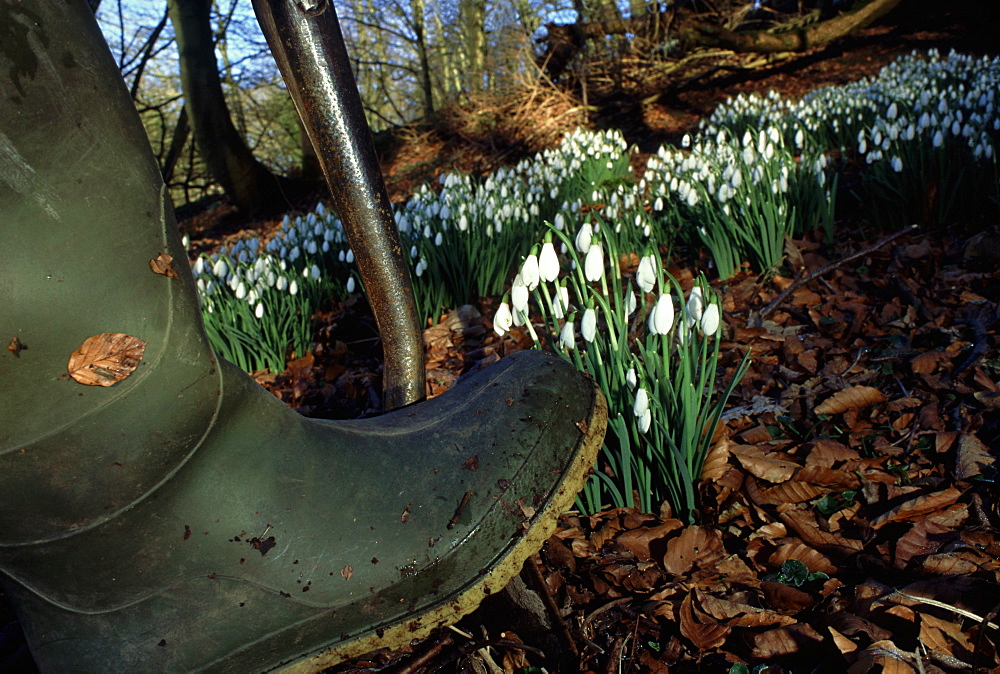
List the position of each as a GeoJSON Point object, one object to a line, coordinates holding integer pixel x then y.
{"type": "Point", "coordinates": [259, 311]}
{"type": "Point", "coordinates": [548, 263]}
{"type": "Point", "coordinates": [661, 318]}
{"type": "Point", "coordinates": [560, 303]}
{"type": "Point", "coordinates": [710, 320]}
{"type": "Point", "coordinates": [630, 378]}
{"type": "Point", "coordinates": [630, 302]}
{"type": "Point", "coordinates": [695, 306]}
{"type": "Point", "coordinates": [645, 420]}
{"type": "Point", "coordinates": [519, 294]}
{"type": "Point", "coordinates": [593, 264]}
{"type": "Point", "coordinates": [567, 338]}
{"type": "Point", "coordinates": [529, 272]}
{"type": "Point", "coordinates": [583, 238]}
{"type": "Point", "coordinates": [588, 326]}
{"type": "Point", "coordinates": [293, 288]}
{"type": "Point", "coordinates": [645, 275]}
{"type": "Point", "coordinates": [503, 320]}
{"type": "Point", "coordinates": [641, 404]}
{"type": "Point", "coordinates": [350, 284]}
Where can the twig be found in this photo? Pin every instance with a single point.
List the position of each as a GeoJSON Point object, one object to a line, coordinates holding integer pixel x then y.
{"type": "Point", "coordinates": [757, 319]}
{"type": "Point", "coordinates": [534, 574]}
{"type": "Point", "coordinates": [948, 607]}
{"type": "Point", "coordinates": [424, 658]}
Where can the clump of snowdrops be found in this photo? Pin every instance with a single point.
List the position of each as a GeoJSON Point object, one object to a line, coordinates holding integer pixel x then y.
{"type": "Point", "coordinates": [653, 353]}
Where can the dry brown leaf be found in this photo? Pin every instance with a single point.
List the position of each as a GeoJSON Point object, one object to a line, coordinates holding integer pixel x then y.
{"type": "Point", "coordinates": [641, 542]}
{"type": "Point", "coordinates": [948, 564]}
{"type": "Point", "coordinates": [823, 453]}
{"type": "Point", "coordinates": [924, 538]}
{"type": "Point", "coordinates": [699, 628]}
{"type": "Point", "coordinates": [785, 598]}
{"type": "Point", "coordinates": [927, 362]}
{"type": "Point", "coordinates": [843, 644]}
{"type": "Point", "coordinates": [972, 457]}
{"type": "Point", "coordinates": [989, 399]}
{"type": "Point", "coordinates": [803, 523]}
{"type": "Point", "coordinates": [771, 466]}
{"type": "Point", "coordinates": [736, 614]}
{"type": "Point", "coordinates": [695, 547]}
{"type": "Point", "coordinates": [106, 359]}
{"type": "Point", "coordinates": [161, 265]}
{"type": "Point", "coordinates": [946, 638]}
{"type": "Point", "coordinates": [917, 507]}
{"type": "Point", "coordinates": [793, 491]}
{"type": "Point", "coordinates": [786, 641]}
{"type": "Point", "coordinates": [797, 550]}
{"type": "Point", "coordinates": [856, 397]}
{"type": "Point", "coordinates": [884, 657]}
{"type": "Point", "coordinates": [717, 462]}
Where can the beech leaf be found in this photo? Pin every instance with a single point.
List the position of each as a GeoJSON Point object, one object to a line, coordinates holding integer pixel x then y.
{"type": "Point", "coordinates": [161, 265]}
{"type": "Point", "coordinates": [852, 398]}
{"type": "Point", "coordinates": [106, 359]}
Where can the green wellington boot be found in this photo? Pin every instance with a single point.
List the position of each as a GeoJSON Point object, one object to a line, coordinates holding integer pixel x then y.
{"type": "Point", "coordinates": [183, 519]}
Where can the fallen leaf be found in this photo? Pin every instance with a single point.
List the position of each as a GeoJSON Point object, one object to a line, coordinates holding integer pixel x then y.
{"type": "Point", "coordinates": [161, 265]}
{"type": "Point", "coordinates": [347, 572]}
{"type": "Point", "coordinates": [972, 457]}
{"type": "Point", "coordinates": [884, 657]}
{"type": "Point", "coordinates": [917, 507]}
{"type": "Point", "coordinates": [786, 641]}
{"type": "Point", "coordinates": [852, 398]}
{"type": "Point", "coordinates": [699, 628]}
{"type": "Point", "coordinates": [696, 546]}
{"type": "Point", "coordinates": [106, 359]}
{"type": "Point", "coordinates": [773, 467]}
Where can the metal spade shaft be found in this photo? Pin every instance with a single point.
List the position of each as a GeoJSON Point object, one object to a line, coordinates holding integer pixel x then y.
{"type": "Point", "coordinates": [307, 44]}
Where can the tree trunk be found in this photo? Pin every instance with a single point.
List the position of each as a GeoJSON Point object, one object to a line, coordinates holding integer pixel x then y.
{"type": "Point", "coordinates": [417, 9]}
{"type": "Point", "coordinates": [250, 185]}
{"type": "Point", "coordinates": [564, 40]}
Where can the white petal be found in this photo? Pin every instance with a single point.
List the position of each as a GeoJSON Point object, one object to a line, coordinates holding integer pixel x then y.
{"type": "Point", "coordinates": [588, 326]}
{"type": "Point", "coordinates": [710, 320]}
{"type": "Point", "coordinates": [548, 263]}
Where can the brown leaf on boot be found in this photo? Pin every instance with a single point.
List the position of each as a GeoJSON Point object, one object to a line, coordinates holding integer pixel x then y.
{"type": "Point", "coordinates": [852, 398]}
{"type": "Point", "coordinates": [106, 359]}
{"type": "Point", "coordinates": [161, 265]}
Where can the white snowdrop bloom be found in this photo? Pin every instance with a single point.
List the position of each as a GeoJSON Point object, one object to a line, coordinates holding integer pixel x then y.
{"type": "Point", "coordinates": [414, 252]}
{"type": "Point", "coordinates": [710, 319]}
{"type": "Point", "coordinates": [281, 283]}
{"type": "Point", "coordinates": [199, 266]}
{"type": "Point", "coordinates": [259, 311]}
{"type": "Point", "coordinates": [863, 146]}
{"type": "Point", "coordinates": [350, 284]}
{"type": "Point", "coordinates": [548, 263]}
{"type": "Point", "coordinates": [529, 272]}
{"type": "Point", "coordinates": [252, 296]}
{"type": "Point", "coordinates": [439, 239]}
{"type": "Point", "coordinates": [311, 247]}
{"type": "Point", "coordinates": [661, 318]}
{"type": "Point", "coordinates": [326, 247]}
{"type": "Point", "coordinates": [559, 222]}
{"type": "Point", "coordinates": [560, 303]}
{"type": "Point", "coordinates": [294, 255]}
{"type": "Point", "coordinates": [241, 290]}
{"type": "Point", "coordinates": [737, 179]}
{"type": "Point", "coordinates": [641, 404]}
{"type": "Point", "coordinates": [686, 140]}
{"type": "Point", "coordinates": [519, 294]}
{"type": "Point", "coordinates": [584, 237]}
{"type": "Point", "coordinates": [645, 421]}
{"type": "Point", "coordinates": [695, 306]}
{"type": "Point", "coordinates": [897, 164]}
{"type": "Point", "coordinates": [593, 264]}
{"type": "Point", "coordinates": [924, 121]}
{"type": "Point", "coordinates": [445, 212]}
{"type": "Point", "coordinates": [220, 268]}
{"type": "Point", "coordinates": [658, 204]}
{"type": "Point", "coordinates": [503, 320]}
{"type": "Point", "coordinates": [186, 241]}
{"type": "Point", "coordinates": [342, 256]}
{"type": "Point", "coordinates": [293, 287]}
{"type": "Point", "coordinates": [567, 338]}
{"type": "Point", "coordinates": [645, 275]}
{"type": "Point", "coordinates": [421, 267]}
{"type": "Point", "coordinates": [588, 326]}
{"type": "Point", "coordinates": [799, 138]}
{"type": "Point", "coordinates": [315, 271]}
{"type": "Point", "coordinates": [747, 138]}
{"type": "Point", "coordinates": [630, 302]}
{"type": "Point", "coordinates": [938, 139]}
{"type": "Point", "coordinates": [630, 378]}
{"type": "Point", "coordinates": [748, 155]}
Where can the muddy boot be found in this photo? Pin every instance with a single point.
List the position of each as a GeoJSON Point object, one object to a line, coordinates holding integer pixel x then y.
{"type": "Point", "coordinates": [183, 519]}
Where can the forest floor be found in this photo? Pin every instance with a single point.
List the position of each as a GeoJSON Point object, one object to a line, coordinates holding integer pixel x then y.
{"type": "Point", "coordinates": [849, 518]}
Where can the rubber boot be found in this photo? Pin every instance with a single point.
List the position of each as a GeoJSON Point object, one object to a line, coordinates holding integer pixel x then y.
{"type": "Point", "coordinates": [183, 519]}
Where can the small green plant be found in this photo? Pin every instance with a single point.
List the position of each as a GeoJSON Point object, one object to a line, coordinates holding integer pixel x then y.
{"type": "Point", "coordinates": [795, 573]}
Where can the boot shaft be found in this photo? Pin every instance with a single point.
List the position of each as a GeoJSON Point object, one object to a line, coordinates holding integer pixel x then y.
{"type": "Point", "coordinates": [84, 209]}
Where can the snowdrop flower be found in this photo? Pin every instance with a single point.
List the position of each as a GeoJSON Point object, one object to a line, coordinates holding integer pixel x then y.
{"type": "Point", "coordinates": [421, 267]}
{"type": "Point", "coordinates": [710, 320]}
{"type": "Point", "coordinates": [281, 283]}
{"type": "Point", "coordinates": [641, 404]}
{"type": "Point", "coordinates": [593, 264]}
{"type": "Point", "coordinates": [630, 378]}
{"type": "Point", "coordinates": [503, 320]}
{"type": "Point", "coordinates": [645, 420]}
{"type": "Point", "coordinates": [938, 139]}
{"type": "Point", "coordinates": [220, 268]}
{"type": "Point", "coordinates": [588, 326]}
{"type": "Point", "coordinates": [686, 140]}
{"type": "Point", "coordinates": [199, 266]}
{"type": "Point", "coordinates": [893, 111]}
{"type": "Point", "coordinates": [897, 164]}
{"type": "Point", "coordinates": [548, 263]}
{"type": "Point", "coordinates": [560, 303]}
{"type": "Point", "coordinates": [519, 294]}
{"type": "Point", "coordinates": [529, 272]}
{"type": "Point", "coordinates": [661, 318]}
{"type": "Point", "coordinates": [630, 302]}
{"type": "Point", "coordinates": [315, 271]}
{"type": "Point", "coordinates": [645, 275]}
{"type": "Point", "coordinates": [695, 306]}
{"type": "Point", "coordinates": [259, 311]}
{"type": "Point", "coordinates": [293, 288]}
{"type": "Point", "coordinates": [567, 339]}
{"type": "Point", "coordinates": [350, 284]}
{"type": "Point", "coordinates": [241, 291]}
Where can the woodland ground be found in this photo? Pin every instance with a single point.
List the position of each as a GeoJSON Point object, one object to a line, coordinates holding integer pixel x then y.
{"type": "Point", "coordinates": [888, 500]}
